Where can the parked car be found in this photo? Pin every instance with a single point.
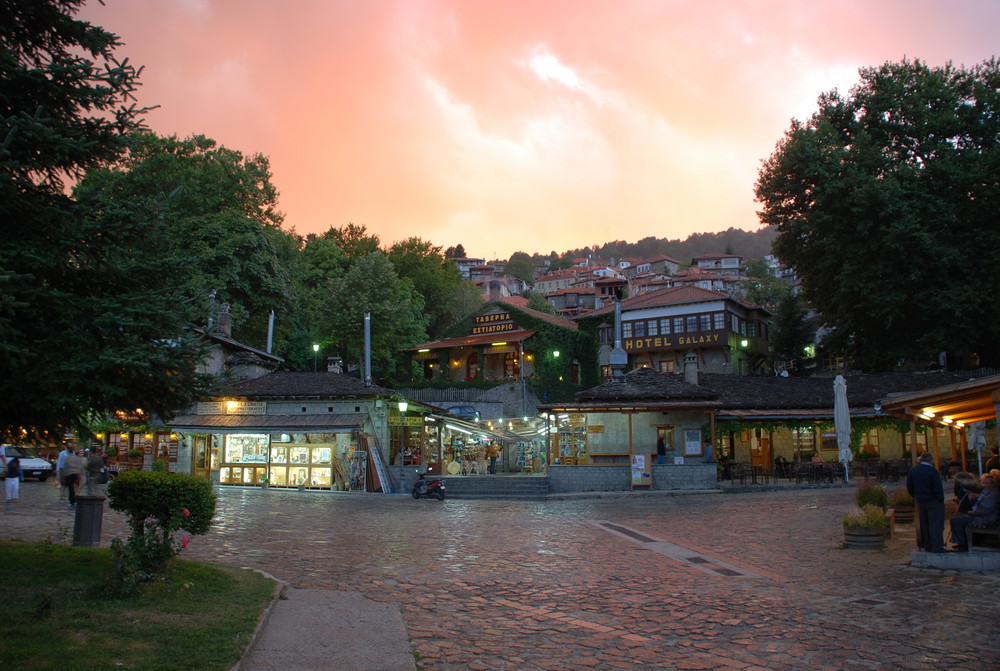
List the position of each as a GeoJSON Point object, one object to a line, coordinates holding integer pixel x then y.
{"type": "Point", "coordinates": [32, 465]}
{"type": "Point", "coordinates": [466, 412]}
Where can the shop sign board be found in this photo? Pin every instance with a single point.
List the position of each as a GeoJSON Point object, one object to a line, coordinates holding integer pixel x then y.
{"type": "Point", "coordinates": [640, 474]}
{"type": "Point", "coordinates": [692, 442]}
{"type": "Point", "coordinates": [232, 408]}
{"type": "Point", "coordinates": [394, 420]}
{"type": "Point", "coordinates": [495, 322]}
{"type": "Point", "coordinates": [595, 428]}
{"type": "Point", "coordinates": [670, 342]}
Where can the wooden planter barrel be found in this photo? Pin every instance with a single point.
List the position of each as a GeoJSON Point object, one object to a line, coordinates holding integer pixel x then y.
{"type": "Point", "coordinates": [864, 538]}
{"type": "Point", "coordinates": [905, 514]}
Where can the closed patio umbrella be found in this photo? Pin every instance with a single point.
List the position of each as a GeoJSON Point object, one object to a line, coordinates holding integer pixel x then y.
{"type": "Point", "coordinates": [842, 422]}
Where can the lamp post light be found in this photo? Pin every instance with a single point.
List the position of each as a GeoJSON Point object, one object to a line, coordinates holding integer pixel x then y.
{"type": "Point", "coordinates": [403, 405]}
{"type": "Point", "coordinates": [315, 355]}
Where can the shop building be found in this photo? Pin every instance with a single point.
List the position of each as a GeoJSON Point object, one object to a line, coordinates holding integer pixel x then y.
{"type": "Point", "coordinates": [505, 342]}
{"type": "Point", "coordinates": [310, 430]}
{"type": "Point", "coordinates": [659, 328]}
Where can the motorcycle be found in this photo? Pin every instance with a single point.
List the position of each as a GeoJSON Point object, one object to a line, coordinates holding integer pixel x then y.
{"type": "Point", "coordinates": [421, 487]}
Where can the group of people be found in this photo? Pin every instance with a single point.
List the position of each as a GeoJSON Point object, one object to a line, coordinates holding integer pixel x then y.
{"type": "Point", "coordinates": [977, 503]}
{"type": "Point", "coordinates": [71, 467]}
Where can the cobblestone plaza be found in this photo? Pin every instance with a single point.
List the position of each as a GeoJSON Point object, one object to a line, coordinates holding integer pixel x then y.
{"type": "Point", "coordinates": [739, 581]}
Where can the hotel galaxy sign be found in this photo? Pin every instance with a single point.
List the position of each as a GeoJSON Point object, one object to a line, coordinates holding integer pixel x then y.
{"type": "Point", "coordinates": [680, 341]}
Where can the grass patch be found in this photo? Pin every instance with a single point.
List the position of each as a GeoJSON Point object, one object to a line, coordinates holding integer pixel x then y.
{"type": "Point", "coordinates": [52, 615]}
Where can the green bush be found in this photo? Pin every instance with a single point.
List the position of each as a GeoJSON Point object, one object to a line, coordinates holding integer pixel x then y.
{"type": "Point", "coordinates": [160, 465]}
{"type": "Point", "coordinates": [900, 497]}
{"type": "Point", "coordinates": [156, 504]}
{"type": "Point", "coordinates": [866, 516]}
{"type": "Point", "coordinates": [133, 454]}
{"type": "Point", "coordinates": [873, 494]}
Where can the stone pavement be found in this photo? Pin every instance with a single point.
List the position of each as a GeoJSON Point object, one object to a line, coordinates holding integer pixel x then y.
{"type": "Point", "coordinates": [737, 581]}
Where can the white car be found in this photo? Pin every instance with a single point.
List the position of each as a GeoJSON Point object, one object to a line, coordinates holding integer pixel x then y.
{"type": "Point", "coordinates": [32, 465]}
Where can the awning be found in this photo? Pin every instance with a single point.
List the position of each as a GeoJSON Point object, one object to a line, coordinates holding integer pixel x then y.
{"type": "Point", "coordinates": [474, 340]}
{"type": "Point", "coordinates": [966, 402]}
{"type": "Point", "coordinates": [327, 423]}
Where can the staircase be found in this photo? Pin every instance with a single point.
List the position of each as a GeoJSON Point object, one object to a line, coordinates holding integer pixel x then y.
{"type": "Point", "coordinates": [497, 487]}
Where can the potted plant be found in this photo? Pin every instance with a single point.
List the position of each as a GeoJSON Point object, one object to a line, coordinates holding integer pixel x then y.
{"type": "Point", "coordinates": [902, 503]}
{"type": "Point", "coordinates": [869, 493]}
{"type": "Point", "coordinates": [264, 482]}
{"type": "Point", "coordinates": [864, 528]}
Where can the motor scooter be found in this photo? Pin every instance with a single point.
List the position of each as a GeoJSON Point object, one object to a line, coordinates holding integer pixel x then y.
{"type": "Point", "coordinates": [421, 487]}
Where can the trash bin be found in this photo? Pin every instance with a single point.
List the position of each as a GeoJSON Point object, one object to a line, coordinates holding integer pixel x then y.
{"type": "Point", "coordinates": [89, 518]}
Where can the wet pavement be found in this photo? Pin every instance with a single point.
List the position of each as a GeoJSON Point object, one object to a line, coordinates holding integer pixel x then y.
{"type": "Point", "coordinates": [740, 581]}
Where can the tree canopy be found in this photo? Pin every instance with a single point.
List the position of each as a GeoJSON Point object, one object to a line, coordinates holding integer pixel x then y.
{"type": "Point", "coordinates": [884, 203]}
{"type": "Point", "coordinates": [223, 222]}
{"type": "Point", "coordinates": [89, 321]}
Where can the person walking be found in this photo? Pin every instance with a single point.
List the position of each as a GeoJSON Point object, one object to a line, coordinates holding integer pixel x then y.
{"type": "Point", "coordinates": [493, 452]}
{"type": "Point", "coordinates": [60, 462]}
{"type": "Point", "coordinates": [923, 482]}
{"type": "Point", "coordinates": [72, 471]}
{"type": "Point", "coordinates": [13, 474]}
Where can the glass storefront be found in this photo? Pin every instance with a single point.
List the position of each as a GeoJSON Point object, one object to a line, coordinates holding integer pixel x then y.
{"type": "Point", "coordinates": [313, 461]}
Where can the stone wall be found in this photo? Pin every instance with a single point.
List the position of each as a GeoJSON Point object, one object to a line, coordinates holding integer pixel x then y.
{"type": "Point", "coordinates": [618, 478]}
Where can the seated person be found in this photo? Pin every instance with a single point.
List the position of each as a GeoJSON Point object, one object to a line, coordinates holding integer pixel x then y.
{"type": "Point", "coordinates": [982, 514]}
{"type": "Point", "coordinates": [966, 488]}
{"type": "Point", "coordinates": [781, 466]}
{"type": "Point", "coordinates": [817, 458]}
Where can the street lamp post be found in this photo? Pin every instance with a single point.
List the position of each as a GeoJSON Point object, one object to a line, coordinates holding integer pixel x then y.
{"type": "Point", "coordinates": [315, 355]}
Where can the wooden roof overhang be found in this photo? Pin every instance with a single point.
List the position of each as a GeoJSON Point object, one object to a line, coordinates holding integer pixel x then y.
{"type": "Point", "coordinates": [965, 402]}
{"type": "Point", "coordinates": [636, 405]}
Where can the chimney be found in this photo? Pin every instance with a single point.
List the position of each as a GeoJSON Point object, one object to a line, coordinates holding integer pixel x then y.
{"type": "Point", "coordinates": [225, 320]}
{"type": "Point", "coordinates": [334, 364]}
{"type": "Point", "coordinates": [494, 290]}
{"type": "Point", "coordinates": [691, 367]}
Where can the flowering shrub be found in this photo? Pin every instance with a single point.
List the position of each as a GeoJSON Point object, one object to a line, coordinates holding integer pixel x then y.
{"type": "Point", "coordinates": [871, 493]}
{"type": "Point", "coordinates": [866, 516]}
{"type": "Point", "coordinates": [156, 505]}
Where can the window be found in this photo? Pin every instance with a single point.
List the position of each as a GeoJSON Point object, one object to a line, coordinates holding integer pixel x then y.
{"type": "Point", "coordinates": [678, 324]}
{"type": "Point", "coordinates": [691, 323]}
{"type": "Point", "coordinates": [653, 327]}
{"type": "Point", "coordinates": [719, 321]}
{"type": "Point", "coordinates": [666, 366]}
{"type": "Point", "coordinates": [704, 322]}
{"type": "Point", "coordinates": [639, 329]}
{"type": "Point", "coordinates": [751, 329]}
{"type": "Point", "coordinates": [804, 440]}
{"type": "Point", "coordinates": [665, 326]}
{"type": "Point", "coordinates": [735, 324]}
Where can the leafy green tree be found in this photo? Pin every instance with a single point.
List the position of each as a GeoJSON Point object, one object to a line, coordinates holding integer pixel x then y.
{"type": "Point", "coordinates": [791, 333]}
{"type": "Point", "coordinates": [437, 279]}
{"type": "Point", "coordinates": [456, 252]}
{"type": "Point", "coordinates": [397, 315]}
{"type": "Point", "coordinates": [354, 240]}
{"type": "Point", "coordinates": [537, 301]}
{"type": "Point", "coordinates": [89, 320]}
{"type": "Point", "coordinates": [885, 205]}
{"type": "Point", "coordinates": [221, 207]}
{"type": "Point", "coordinates": [520, 266]}
{"type": "Point", "coordinates": [761, 286]}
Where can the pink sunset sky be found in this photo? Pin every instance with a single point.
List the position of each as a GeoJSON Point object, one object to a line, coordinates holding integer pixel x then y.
{"type": "Point", "coordinates": [518, 125]}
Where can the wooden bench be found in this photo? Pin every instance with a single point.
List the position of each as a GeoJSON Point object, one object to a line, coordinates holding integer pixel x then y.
{"type": "Point", "coordinates": [972, 531]}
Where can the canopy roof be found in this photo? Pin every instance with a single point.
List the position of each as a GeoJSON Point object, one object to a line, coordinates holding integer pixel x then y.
{"type": "Point", "coordinates": [967, 402]}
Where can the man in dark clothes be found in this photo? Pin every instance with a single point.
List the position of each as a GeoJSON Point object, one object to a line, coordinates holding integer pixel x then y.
{"type": "Point", "coordinates": [924, 484]}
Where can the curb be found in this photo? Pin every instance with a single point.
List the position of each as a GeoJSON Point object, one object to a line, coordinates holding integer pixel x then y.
{"type": "Point", "coordinates": [279, 593]}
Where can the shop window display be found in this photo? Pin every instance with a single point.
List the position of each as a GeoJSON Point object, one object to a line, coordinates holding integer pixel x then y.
{"type": "Point", "coordinates": [320, 461]}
